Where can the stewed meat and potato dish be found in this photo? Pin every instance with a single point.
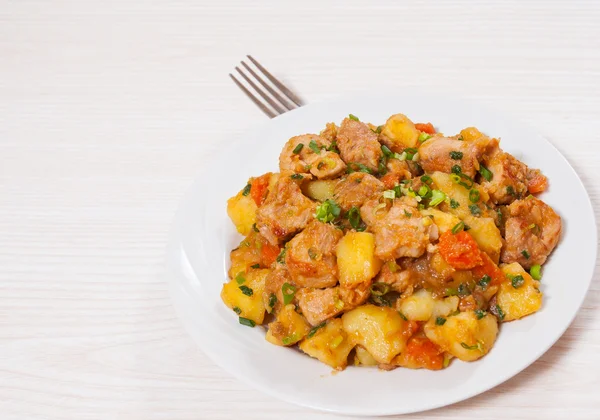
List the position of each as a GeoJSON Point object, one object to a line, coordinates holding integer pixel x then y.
{"type": "Point", "coordinates": [391, 245]}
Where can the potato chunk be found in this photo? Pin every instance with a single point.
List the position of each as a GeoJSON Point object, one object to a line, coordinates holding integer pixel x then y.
{"type": "Point", "coordinates": [520, 301]}
{"type": "Point", "coordinates": [363, 357]}
{"type": "Point", "coordinates": [289, 327]}
{"type": "Point", "coordinates": [486, 234]}
{"type": "Point", "coordinates": [244, 293]}
{"type": "Point", "coordinates": [319, 190]}
{"type": "Point", "coordinates": [444, 221]}
{"type": "Point", "coordinates": [330, 344]}
{"type": "Point", "coordinates": [401, 131]}
{"type": "Point", "coordinates": [242, 212]}
{"type": "Point", "coordinates": [356, 258]}
{"type": "Point", "coordinates": [378, 329]}
{"type": "Point", "coordinates": [421, 306]}
{"type": "Point", "coordinates": [458, 193]}
{"type": "Point", "coordinates": [463, 335]}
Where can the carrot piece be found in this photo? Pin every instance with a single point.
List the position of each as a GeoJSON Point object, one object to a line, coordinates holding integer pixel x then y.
{"type": "Point", "coordinates": [268, 254]}
{"type": "Point", "coordinates": [460, 250]}
{"type": "Point", "coordinates": [259, 188]}
{"type": "Point", "coordinates": [425, 128]}
{"type": "Point", "coordinates": [537, 183]}
{"type": "Point", "coordinates": [488, 267]}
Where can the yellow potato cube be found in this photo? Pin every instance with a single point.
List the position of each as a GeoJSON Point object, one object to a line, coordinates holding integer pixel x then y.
{"type": "Point", "coordinates": [319, 190]}
{"type": "Point", "coordinates": [289, 327]}
{"type": "Point", "coordinates": [521, 301]}
{"type": "Point", "coordinates": [463, 335]}
{"type": "Point", "coordinates": [486, 234]}
{"type": "Point", "coordinates": [421, 306]}
{"type": "Point", "coordinates": [363, 357]}
{"type": "Point", "coordinates": [356, 258]}
{"type": "Point", "coordinates": [244, 293]}
{"type": "Point", "coordinates": [378, 329]}
{"type": "Point", "coordinates": [330, 344]}
{"type": "Point", "coordinates": [444, 221]}
{"type": "Point", "coordinates": [242, 212]}
{"type": "Point", "coordinates": [401, 131]}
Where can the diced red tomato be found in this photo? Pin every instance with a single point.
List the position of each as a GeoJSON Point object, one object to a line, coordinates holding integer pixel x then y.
{"type": "Point", "coordinates": [259, 188]}
{"type": "Point", "coordinates": [268, 254]}
{"type": "Point", "coordinates": [423, 353]}
{"type": "Point", "coordinates": [425, 128]}
{"type": "Point", "coordinates": [460, 250]}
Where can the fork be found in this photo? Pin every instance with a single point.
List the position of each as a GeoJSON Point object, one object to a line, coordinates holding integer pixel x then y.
{"type": "Point", "coordinates": [280, 100]}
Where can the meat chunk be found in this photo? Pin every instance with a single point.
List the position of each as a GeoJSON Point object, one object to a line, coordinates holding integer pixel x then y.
{"type": "Point", "coordinates": [310, 256]}
{"type": "Point", "coordinates": [442, 153]}
{"type": "Point", "coordinates": [285, 211]}
{"type": "Point", "coordinates": [532, 230]}
{"type": "Point", "coordinates": [316, 160]}
{"type": "Point", "coordinates": [358, 144]}
{"type": "Point", "coordinates": [511, 178]}
{"type": "Point", "coordinates": [399, 232]}
{"type": "Point", "coordinates": [317, 305]}
{"type": "Point", "coordinates": [397, 171]}
{"type": "Point", "coordinates": [273, 285]}
{"type": "Point", "coordinates": [399, 280]}
{"type": "Point", "coordinates": [355, 189]}
{"type": "Point", "coordinates": [329, 133]}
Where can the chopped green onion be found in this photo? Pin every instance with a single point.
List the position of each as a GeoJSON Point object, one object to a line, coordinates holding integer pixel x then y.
{"type": "Point", "coordinates": [451, 291]}
{"type": "Point", "coordinates": [410, 153]}
{"type": "Point", "coordinates": [440, 320]}
{"type": "Point", "coordinates": [246, 189]}
{"type": "Point", "coordinates": [454, 204]}
{"type": "Point", "coordinates": [247, 322]}
{"type": "Point", "coordinates": [424, 190]}
{"type": "Point", "coordinates": [458, 227]}
{"type": "Point", "coordinates": [484, 281]}
{"type": "Point", "coordinates": [288, 291]}
{"type": "Point", "coordinates": [272, 300]}
{"type": "Point", "coordinates": [446, 360]}
{"type": "Point", "coordinates": [525, 254]}
{"type": "Point", "coordinates": [485, 173]}
{"type": "Point", "coordinates": [316, 328]}
{"type": "Point", "coordinates": [416, 158]}
{"type": "Point", "coordinates": [391, 194]}
{"type": "Point", "coordinates": [455, 178]}
{"type": "Point", "coordinates": [237, 310]}
{"type": "Point", "coordinates": [386, 151]}
{"type": "Point", "coordinates": [312, 254]}
{"type": "Point", "coordinates": [381, 166]}
{"type": "Point", "coordinates": [327, 211]}
{"type": "Point", "coordinates": [240, 279]}
{"type": "Point", "coordinates": [480, 313]}
{"type": "Point", "coordinates": [463, 290]}
{"type": "Point", "coordinates": [437, 197]}
{"type": "Point", "coordinates": [460, 138]}
{"type": "Point", "coordinates": [536, 272]}
{"type": "Point", "coordinates": [407, 214]}
{"type": "Point", "coordinates": [426, 179]}
{"type": "Point", "coordinates": [246, 290]}
{"type": "Point", "coordinates": [358, 167]}
{"type": "Point", "coordinates": [379, 289]}
{"type": "Point", "coordinates": [473, 347]}
{"type": "Point", "coordinates": [510, 190]}
{"type": "Point", "coordinates": [517, 281]}
{"type": "Point", "coordinates": [475, 210]}
{"type": "Point", "coordinates": [254, 228]}
{"type": "Point", "coordinates": [423, 137]}
{"type": "Point", "coordinates": [281, 256]}
{"type": "Point", "coordinates": [455, 155]}
{"type": "Point", "coordinates": [333, 147]}
{"type": "Point", "coordinates": [255, 266]}
{"type": "Point", "coordinates": [500, 312]}
{"type": "Point", "coordinates": [474, 196]}
{"type": "Point", "coordinates": [398, 191]}
{"type": "Point", "coordinates": [296, 176]}
{"type": "Point", "coordinates": [456, 169]}
{"type": "Point", "coordinates": [289, 340]}
{"type": "Point", "coordinates": [355, 220]}
{"type": "Point", "coordinates": [402, 316]}
{"type": "Point", "coordinates": [400, 156]}
{"type": "Point", "coordinates": [298, 148]}
{"type": "Point", "coordinates": [353, 117]}
{"type": "Point", "coordinates": [314, 147]}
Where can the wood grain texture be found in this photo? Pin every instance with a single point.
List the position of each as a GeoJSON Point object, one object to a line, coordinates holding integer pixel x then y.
{"type": "Point", "coordinates": [108, 109]}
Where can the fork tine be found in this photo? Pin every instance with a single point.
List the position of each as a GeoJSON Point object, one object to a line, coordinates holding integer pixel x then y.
{"type": "Point", "coordinates": [258, 103]}
{"type": "Point", "coordinates": [276, 82]}
{"type": "Point", "coordinates": [269, 88]}
{"type": "Point", "coordinates": [266, 97]}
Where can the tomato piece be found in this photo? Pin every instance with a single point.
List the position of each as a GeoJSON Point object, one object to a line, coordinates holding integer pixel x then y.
{"type": "Point", "coordinates": [490, 268]}
{"type": "Point", "coordinates": [460, 250]}
{"type": "Point", "coordinates": [422, 353]}
{"type": "Point", "coordinates": [425, 128]}
{"type": "Point", "coordinates": [259, 188]}
{"type": "Point", "coordinates": [268, 254]}
{"type": "Point", "coordinates": [390, 180]}
{"type": "Point", "coordinates": [537, 183]}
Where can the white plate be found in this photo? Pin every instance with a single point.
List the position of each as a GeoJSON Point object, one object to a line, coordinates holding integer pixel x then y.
{"type": "Point", "coordinates": [203, 236]}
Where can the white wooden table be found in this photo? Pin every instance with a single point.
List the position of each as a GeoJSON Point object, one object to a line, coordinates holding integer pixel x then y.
{"type": "Point", "coordinates": [109, 108]}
